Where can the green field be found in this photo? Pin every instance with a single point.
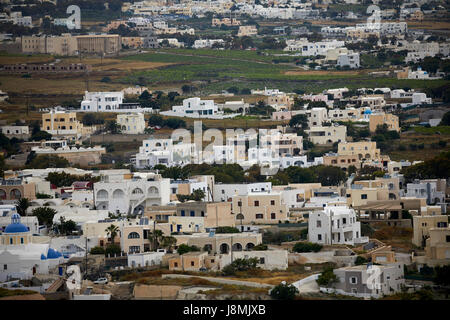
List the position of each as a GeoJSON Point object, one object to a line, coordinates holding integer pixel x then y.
{"type": "Point", "coordinates": [220, 69]}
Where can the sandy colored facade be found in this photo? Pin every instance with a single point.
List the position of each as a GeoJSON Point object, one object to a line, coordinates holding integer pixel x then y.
{"type": "Point", "coordinates": [216, 214]}
{"type": "Point", "coordinates": [341, 161]}
{"type": "Point", "coordinates": [384, 118]}
{"type": "Point", "coordinates": [422, 226]}
{"type": "Point", "coordinates": [261, 208]}
{"type": "Point", "coordinates": [16, 189]}
{"type": "Point", "coordinates": [61, 123]}
{"type": "Point", "coordinates": [247, 31]}
{"type": "Point", "coordinates": [438, 245]}
{"type": "Point", "coordinates": [363, 149]}
{"type": "Point", "coordinates": [359, 197]}
{"type": "Point", "coordinates": [132, 42]}
{"type": "Point", "coordinates": [103, 44]}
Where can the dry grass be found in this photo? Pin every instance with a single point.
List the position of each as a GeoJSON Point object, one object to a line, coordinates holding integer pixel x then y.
{"type": "Point", "coordinates": [12, 59]}
{"type": "Point", "coordinates": [116, 64]}
{"type": "Point", "coordinates": [324, 72]}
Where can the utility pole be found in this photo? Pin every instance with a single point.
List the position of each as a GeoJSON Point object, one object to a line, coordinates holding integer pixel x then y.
{"type": "Point", "coordinates": [86, 260]}
{"type": "Point", "coordinates": [331, 228]}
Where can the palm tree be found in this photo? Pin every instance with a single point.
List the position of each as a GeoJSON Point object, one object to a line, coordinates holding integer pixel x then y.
{"type": "Point", "coordinates": [22, 205]}
{"type": "Point", "coordinates": [112, 231]}
{"type": "Point", "coordinates": [168, 242]}
{"type": "Point", "coordinates": [157, 237]}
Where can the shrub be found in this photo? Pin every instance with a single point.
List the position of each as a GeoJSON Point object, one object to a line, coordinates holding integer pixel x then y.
{"type": "Point", "coordinates": [360, 260]}
{"type": "Point", "coordinates": [307, 247]}
{"type": "Point", "coordinates": [97, 250]}
{"type": "Point", "coordinates": [327, 277]}
{"type": "Point", "coordinates": [184, 248]}
{"type": "Point", "coordinates": [227, 230]}
{"type": "Point", "coordinates": [240, 265]}
{"type": "Point", "coordinates": [112, 249]}
{"type": "Point", "coordinates": [283, 291]}
{"type": "Point", "coordinates": [260, 247]}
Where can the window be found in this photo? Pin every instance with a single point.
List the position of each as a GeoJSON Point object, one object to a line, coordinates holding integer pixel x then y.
{"type": "Point", "coordinates": [364, 196]}
{"type": "Point", "coordinates": [133, 235]}
{"type": "Point", "coordinates": [447, 238]}
{"type": "Point", "coordinates": [353, 280]}
{"type": "Point", "coordinates": [182, 213]}
{"type": "Point", "coordinates": [239, 203]}
{"type": "Point", "coordinates": [5, 267]}
{"type": "Point", "coordinates": [319, 224]}
{"type": "Point", "coordinates": [21, 240]}
{"type": "Point", "coordinates": [192, 263]}
{"type": "Point", "coordinates": [344, 220]}
{"type": "Point", "coordinates": [256, 203]}
{"type": "Point", "coordinates": [192, 213]}
{"type": "Point", "coordinates": [202, 213]}
{"type": "Point", "coordinates": [259, 216]}
{"type": "Point", "coordinates": [175, 264]}
{"type": "Point", "coordinates": [272, 202]}
{"type": "Point", "coordinates": [319, 237]}
{"type": "Point", "coordinates": [262, 261]}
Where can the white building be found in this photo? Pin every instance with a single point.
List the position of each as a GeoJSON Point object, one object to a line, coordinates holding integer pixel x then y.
{"type": "Point", "coordinates": [108, 102]}
{"type": "Point", "coordinates": [165, 152]}
{"type": "Point", "coordinates": [145, 259]}
{"type": "Point", "coordinates": [224, 192]}
{"type": "Point", "coordinates": [207, 43]}
{"type": "Point", "coordinates": [131, 123]}
{"type": "Point", "coordinates": [350, 59]}
{"type": "Point", "coordinates": [307, 48]}
{"type": "Point", "coordinates": [118, 195]}
{"type": "Point", "coordinates": [335, 225]}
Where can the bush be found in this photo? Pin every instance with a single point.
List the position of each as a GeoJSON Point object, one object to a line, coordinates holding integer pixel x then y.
{"type": "Point", "coordinates": [307, 247]}
{"type": "Point", "coordinates": [283, 291]}
{"type": "Point", "coordinates": [184, 248]}
{"type": "Point", "coordinates": [240, 265]}
{"type": "Point", "coordinates": [227, 230]}
{"type": "Point", "coordinates": [260, 247]}
{"type": "Point", "coordinates": [112, 249]}
{"type": "Point", "coordinates": [327, 277]}
{"type": "Point", "coordinates": [360, 260]}
{"type": "Point", "coordinates": [97, 250]}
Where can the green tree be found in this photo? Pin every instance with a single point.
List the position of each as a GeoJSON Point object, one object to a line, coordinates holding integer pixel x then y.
{"type": "Point", "coordinates": [227, 229]}
{"type": "Point", "coordinates": [184, 248]}
{"type": "Point", "coordinates": [156, 237]}
{"type": "Point", "coordinates": [284, 291]}
{"type": "Point", "coordinates": [22, 205]}
{"type": "Point", "coordinates": [327, 277]}
{"type": "Point", "coordinates": [112, 127]}
{"type": "Point", "coordinates": [155, 120]}
{"type": "Point", "coordinates": [240, 265]}
{"type": "Point", "coordinates": [168, 243]}
{"type": "Point", "coordinates": [445, 121]}
{"type": "Point", "coordinates": [112, 231]}
{"type": "Point", "coordinates": [48, 161]}
{"type": "Point", "coordinates": [41, 135]}
{"type": "Point", "coordinates": [97, 250]}
{"type": "Point", "coordinates": [112, 249]}
{"type": "Point", "coordinates": [45, 215]}
{"type": "Point", "coordinates": [307, 247]}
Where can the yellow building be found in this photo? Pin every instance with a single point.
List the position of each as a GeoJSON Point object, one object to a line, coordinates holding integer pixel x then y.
{"type": "Point", "coordinates": [259, 208]}
{"type": "Point", "coordinates": [384, 118]}
{"type": "Point", "coordinates": [103, 44]}
{"type": "Point", "coordinates": [61, 123]}
{"type": "Point", "coordinates": [422, 226]}
{"type": "Point", "coordinates": [132, 42]}
{"type": "Point", "coordinates": [247, 31]}
{"type": "Point", "coordinates": [216, 214]}
{"type": "Point", "coordinates": [361, 196]}
{"type": "Point", "coordinates": [438, 246]}
{"type": "Point", "coordinates": [364, 150]}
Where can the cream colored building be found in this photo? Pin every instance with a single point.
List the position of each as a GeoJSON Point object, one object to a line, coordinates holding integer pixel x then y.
{"type": "Point", "coordinates": [101, 44]}
{"type": "Point", "coordinates": [363, 149]}
{"type": "Point", "coordinates": [281, 102]}
{"type": "Point", "coordinates": [384, 118]}
{"type": "Point", "coordinates": [247, 31]}
{"type": "Point", "coordinates": [61, 123]}
{"type": "Point", "coordinates": [423, 224]}
{"type": "Point", "coordinates": [186, 224]}
{"type": "Point", "coordinates": [259, 208]}
{"type": "Point", "coordinates": [438, 246]}
{"type": "Point", "coordinates": [215, 214]}
{"type": "Point", "coordinates": [131, 123]}
{"type": "Point", "coordinates": [359, 196]}
{"type": "Point", "coordinates": [132, 42]}
{"type": "Point", "coordinates": [327, 134]}
{"type": "Point", "coordinates": [341, 161]}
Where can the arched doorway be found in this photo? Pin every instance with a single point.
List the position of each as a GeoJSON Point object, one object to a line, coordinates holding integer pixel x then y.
{"type": "Point", "coordinates": [224, 248]}
{"type": "Point", "coordinates": [237, 247]}
{"type": "Point", "coordinates": [249, 246]}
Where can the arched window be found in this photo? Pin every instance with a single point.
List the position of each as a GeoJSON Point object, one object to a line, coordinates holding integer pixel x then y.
{"type": "Point", "coordinates": [137, 191]}
{"type": "Point", "coordinates": [249, 246]}
{"type": "Point", "coordinates": [153, 190]}
{"type": "Point", "coordinates": [2, 194]}
{"type": "Point", "coordinates": [133, 235]}
{"type": "Point", "coordinates": [118, 194]}
{"type": "Point", "coordinates": [237, 247]}
{"type": "Point", "coordinates": [15, 194]}
{"type": "Point", "coordinates": [102, 194]}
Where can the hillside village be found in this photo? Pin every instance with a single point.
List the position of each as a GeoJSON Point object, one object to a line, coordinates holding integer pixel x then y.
{"type": "Point", "coordinates": [224, 150]}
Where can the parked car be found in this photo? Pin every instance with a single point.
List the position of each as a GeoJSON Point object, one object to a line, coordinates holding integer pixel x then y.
{"type": "Point", "coordinates": [101, 281]}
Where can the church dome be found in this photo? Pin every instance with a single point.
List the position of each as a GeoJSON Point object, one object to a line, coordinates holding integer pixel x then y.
{"type": "Point", "coordinates": [53, 254]}
{"type": "Point", "coordinates": [16, 226]}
